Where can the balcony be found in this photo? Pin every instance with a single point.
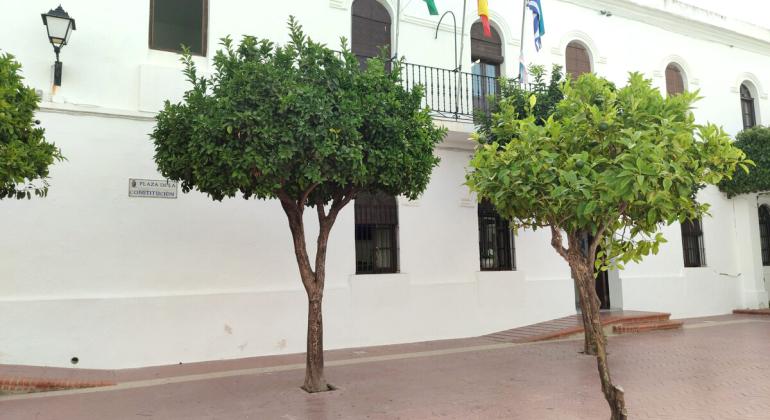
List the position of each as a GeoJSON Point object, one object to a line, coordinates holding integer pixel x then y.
{"type": "Point", "coordinates": [451, 94]}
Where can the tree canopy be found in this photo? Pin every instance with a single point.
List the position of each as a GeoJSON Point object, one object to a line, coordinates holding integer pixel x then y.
{"type": "Point", "coordinates": [755, 143]}
{"type": "Point", "coordinates": [287, 118]}
{"type": "Point", "coordinates": [25, 156]}
{"type": "Point", "coordinates": [547, 94]}
{"type": "Point", "coordinates": [621, 161]}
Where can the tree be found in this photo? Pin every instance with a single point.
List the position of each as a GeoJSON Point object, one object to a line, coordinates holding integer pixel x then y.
{"type": "Point", "coordinates": [517, 95]}
{"type": "Point", "coordinates": [755, 142]}
{"type": "Point", "coordinates": [25, 156]}
{"type": "Point", "coordinates": [606, 170]}
{"type": "Point", "coordinates": [303, 124]}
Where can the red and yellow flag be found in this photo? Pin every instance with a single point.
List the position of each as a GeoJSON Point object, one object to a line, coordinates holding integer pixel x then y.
{"type": "Point", "coordinates": [484, 15]}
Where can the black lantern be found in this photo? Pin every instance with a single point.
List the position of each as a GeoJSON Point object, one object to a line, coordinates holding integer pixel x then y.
{"type": "Point", "coordinates": [60, 26]}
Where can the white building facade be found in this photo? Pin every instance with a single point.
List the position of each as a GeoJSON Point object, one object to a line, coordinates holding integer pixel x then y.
{"type": "Point", "coordinates": [120, 281]}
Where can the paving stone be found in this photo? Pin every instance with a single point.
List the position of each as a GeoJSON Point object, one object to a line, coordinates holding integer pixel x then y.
{"type": "Point", "coordinates": [711, 370]}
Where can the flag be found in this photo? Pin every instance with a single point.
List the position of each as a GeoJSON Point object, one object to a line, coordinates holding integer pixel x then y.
{"type": "Point", "coordinates": [537, 14]}
{"type": "Point", "coordinates": [523, 76]}
{"type": "Point", "coordinates": [484, 15]}
{"type": "Point", "coordinates": [431, 7]}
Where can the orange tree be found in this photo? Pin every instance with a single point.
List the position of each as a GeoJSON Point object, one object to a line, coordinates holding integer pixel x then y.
{"type": "Point", "coordinates": [603, 173]}
{"type": "Point", "coordinates": [25, 156]}
{"type": "Point", "coordinates": [303, 124]}
{"type": "Point", "coordinates": [755, 142]}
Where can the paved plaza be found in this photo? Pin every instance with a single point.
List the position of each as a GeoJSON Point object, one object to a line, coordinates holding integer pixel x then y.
{"type": "Point", "coordinates": [714, 368]}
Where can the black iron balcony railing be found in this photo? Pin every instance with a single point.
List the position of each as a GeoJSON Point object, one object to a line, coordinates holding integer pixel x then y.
{"type": "Point", "coordinates": [450, 93]}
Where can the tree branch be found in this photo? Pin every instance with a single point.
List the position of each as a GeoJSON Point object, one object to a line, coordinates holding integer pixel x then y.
{"type": "Point", "coordinates": [297, 227]}
{"type": "Point", "coordinates": [319, 207]}
{"type": "Point", "coordinates": [557, 242]}
{"type": "Point", "coordinates": [602, 228]}
{"type": "Point", "coordinates": [342, 201]}
{"type": "Point", "coordinates": [306, 193]}
{"type": "Point", "coordinates": [596, 240]}
{"type": "Point", "coordinates": [286, 200]}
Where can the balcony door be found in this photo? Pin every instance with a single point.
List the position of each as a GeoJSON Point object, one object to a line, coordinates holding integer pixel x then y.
{"type": "Point", "coordinates": [487, 56]}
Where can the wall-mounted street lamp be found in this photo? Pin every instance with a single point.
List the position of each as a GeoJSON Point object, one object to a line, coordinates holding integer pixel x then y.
{"type": "Point", "coordinates": [60, 26]}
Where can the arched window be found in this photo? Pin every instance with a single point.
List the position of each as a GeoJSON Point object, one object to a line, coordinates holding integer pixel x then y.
{"type": "Point", "coordinates": [487, 55]}
{"type": "Point", "coordinates": [578, 59]}
{"type": "Point", "coordinates": [764, 233]}
{"type": "Point", "coordinates": [747, 107]}
{"type": "Point", "coordinates": [496, 244]}
{"type": "Point", "coordinates": [370, 29]}
{"type": "Point", "coordinates": [376, 233]}
{"type": "Point", "coordinates": [674, 80]}
{"type": "Point", "coordinates": [692, 243]}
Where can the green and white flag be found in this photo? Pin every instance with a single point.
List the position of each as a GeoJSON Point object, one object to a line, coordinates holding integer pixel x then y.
{"type": "Point", "coordinates": [431, 7]}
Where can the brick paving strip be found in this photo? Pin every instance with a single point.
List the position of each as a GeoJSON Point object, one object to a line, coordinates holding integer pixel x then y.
{"type": "Point", "coordinates": [450, 350]}
{"type": "Point", "coordinates": [713, 368]}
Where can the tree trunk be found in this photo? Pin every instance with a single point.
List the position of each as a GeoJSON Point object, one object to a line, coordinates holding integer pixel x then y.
{"type": "Point", "coordinates": [313, 280]}
{"type": "Point", "coordinates": [314, 368]}
{"type": "Point", "coordinates": [314, 286]}
{"type": "Point", "coordinates": [588, 342]}
{"type": "Point", "coordinates": [583, 267]}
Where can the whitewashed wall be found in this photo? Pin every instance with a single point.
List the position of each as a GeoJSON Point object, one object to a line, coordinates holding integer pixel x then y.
{"type": "Point", "coordinates": [123, 282]}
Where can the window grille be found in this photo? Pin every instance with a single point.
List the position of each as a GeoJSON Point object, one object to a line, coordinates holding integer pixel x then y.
{"type": "Point", "coordinates": [496, 245]}
{"type": "Point", "coordinates": [747, 108]}
{"type": "Point", "coordinates": [376, 233]}
{"type": "Point", "coordinates": [174, 23]}
{"type": "Point", "coordinates": [692, 244]}
{"type": "Point", "coordinates": [764, 233]}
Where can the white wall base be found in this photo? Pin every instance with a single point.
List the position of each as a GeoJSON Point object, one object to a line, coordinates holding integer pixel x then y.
{"type": "Point", "coordinates": [125, 332]}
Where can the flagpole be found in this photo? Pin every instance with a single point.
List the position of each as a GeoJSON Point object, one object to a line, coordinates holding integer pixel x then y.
{"type": "Point", "coordinates": [459, 64]}
{"type": "Point", "coordinates": [462, 38]}
{"type": "Point", "coordinates": [398, 27]}
{"type": "Point", "coordinates": [521, 41]}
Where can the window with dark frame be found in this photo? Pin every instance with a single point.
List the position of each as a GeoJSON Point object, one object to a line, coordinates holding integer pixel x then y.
{"type": "Point", "coordinates": [487, 56]}
{"type": "Point", "coordinates": [496, 243]}
{"type": "Point", "coordinates": [674, 80]}
{"type": "Point", "coordinates": [370, 30]}
{"type": "Point", "coordinates": [174, 23]}
{"type": "Point", "coordinates": [376, 231]}
{"type": "Point", "coordinates": [747, 108]}
{"type": "Point", "coordinates": [764, 233]}
{"type": "Point", "coordinates": [692, 244]}
{"type": "Point", "coordinates": [577, 60]}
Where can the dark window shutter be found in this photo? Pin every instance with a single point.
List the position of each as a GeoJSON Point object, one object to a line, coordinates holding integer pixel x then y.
{"type": "Point", "coordinates": [174, 23]}
{"type": "Point", "coordinates": [486, 50]}
{"type": "Point", "coordinates": [578, 60]}
{"type": "Point", "coordinates": [674, 80]}
{"type": "Point", "coordinates": [747, 108]}
{"type": "Point", "coordinates": [370, 29]}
